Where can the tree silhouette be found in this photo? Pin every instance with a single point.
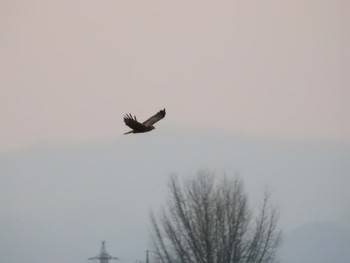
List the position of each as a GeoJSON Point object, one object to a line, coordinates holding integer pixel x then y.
{"type": "Point", "coordinates": [207, 220]}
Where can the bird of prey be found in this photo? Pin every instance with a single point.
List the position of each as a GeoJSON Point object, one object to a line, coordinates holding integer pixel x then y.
{"type": "Point", "coordinates": [146, 126]}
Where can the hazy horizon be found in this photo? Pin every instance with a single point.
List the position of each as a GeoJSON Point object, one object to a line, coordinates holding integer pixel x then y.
{"type": "Point", "coordinates": [77, 194]}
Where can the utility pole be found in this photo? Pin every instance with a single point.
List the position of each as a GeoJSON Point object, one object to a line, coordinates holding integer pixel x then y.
{"type": "Point", "coordinates": [147, 256]}
{"type": "Point", "coordinates": [103, 257]}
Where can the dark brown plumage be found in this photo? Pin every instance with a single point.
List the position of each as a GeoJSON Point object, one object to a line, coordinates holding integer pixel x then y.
{"type": "Point", "coordinates": [146, 126]}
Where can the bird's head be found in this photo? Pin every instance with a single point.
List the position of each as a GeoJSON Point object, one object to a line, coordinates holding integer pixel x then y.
{"type": "Point", "coordinates": [152, 127]}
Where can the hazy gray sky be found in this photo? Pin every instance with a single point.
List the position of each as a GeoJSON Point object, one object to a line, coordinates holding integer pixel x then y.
{"type": "Point", "coordinates": [269, 79]}
{"type": "Point", "coordinates": [71, 69]}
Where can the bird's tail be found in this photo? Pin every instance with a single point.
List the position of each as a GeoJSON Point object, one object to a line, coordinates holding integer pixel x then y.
{"type": "Point", "coordinates": [128, 132]}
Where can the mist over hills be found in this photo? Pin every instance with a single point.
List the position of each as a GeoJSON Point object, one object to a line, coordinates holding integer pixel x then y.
{"type": "Point", "coordinates": [317, 242]}
{"type": "Point", "coordinates": [59, 201]}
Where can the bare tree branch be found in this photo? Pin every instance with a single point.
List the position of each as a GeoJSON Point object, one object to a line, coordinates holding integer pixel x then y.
{"type": "Point", "coordinates": [208, 221]}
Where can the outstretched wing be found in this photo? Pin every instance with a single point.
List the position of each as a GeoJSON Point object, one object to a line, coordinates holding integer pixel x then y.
{"type": "Point", "coordinates": [133, 123]}
{"type": "Point", "coordinates": [157, 117]}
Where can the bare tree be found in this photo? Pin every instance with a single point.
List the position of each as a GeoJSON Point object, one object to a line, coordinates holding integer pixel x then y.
{"type": "Point", "coordinates": [207, 220]}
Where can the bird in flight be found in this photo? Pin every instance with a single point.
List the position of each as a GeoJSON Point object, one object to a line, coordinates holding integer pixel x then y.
{"type": "Point", "coordinates": [146, 126]}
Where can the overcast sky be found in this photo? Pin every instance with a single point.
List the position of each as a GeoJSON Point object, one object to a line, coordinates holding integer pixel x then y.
{"type": "Point", "coordinates": [275, 73]}
{"type": "Point", "coordinates": [71, 69]}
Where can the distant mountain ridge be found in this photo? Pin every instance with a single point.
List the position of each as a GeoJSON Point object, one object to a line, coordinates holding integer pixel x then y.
{"type": "Point", "coordinates": [73, 195]}
{"type": "Point", "coordinates": [317, 242]}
